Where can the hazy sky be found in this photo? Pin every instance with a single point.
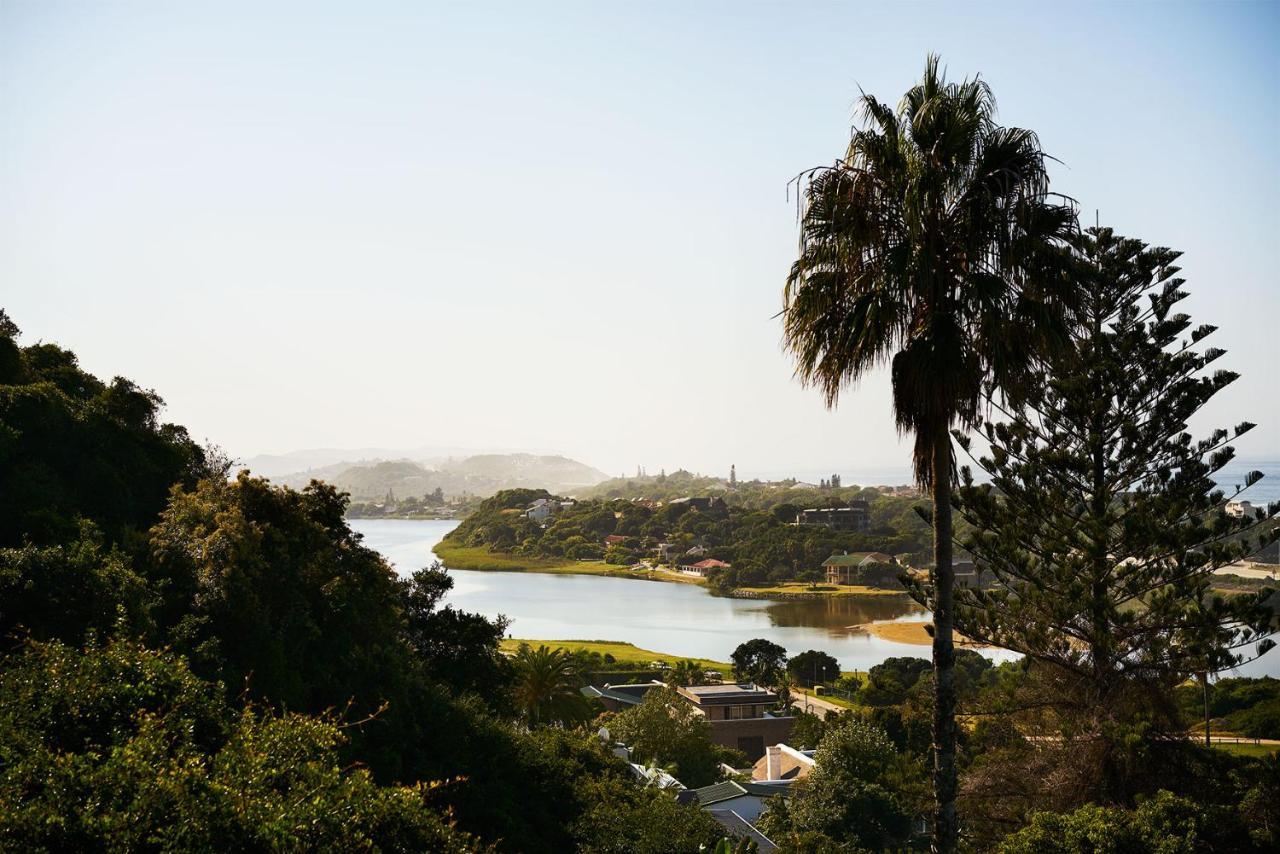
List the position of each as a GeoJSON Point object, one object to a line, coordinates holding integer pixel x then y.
{"type": "Point", "coordinates": [565, 227]}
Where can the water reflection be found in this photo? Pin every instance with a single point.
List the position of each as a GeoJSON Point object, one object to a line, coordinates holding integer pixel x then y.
{"type": "Point", "coordinates": [843, 614]}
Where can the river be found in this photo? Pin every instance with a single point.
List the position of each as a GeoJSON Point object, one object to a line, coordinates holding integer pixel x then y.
{"type": "Point", "coordinates": [680, 619]}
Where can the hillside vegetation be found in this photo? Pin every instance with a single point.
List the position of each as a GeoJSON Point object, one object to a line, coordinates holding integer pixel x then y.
{"type": "Point", "coordinates": [762, 546]}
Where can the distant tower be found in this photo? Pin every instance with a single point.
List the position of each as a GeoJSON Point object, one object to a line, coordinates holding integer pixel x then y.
{"type": "Point", "coordinates": [733, 475]}
{"type": "Point", "coordinates": [638, 472]}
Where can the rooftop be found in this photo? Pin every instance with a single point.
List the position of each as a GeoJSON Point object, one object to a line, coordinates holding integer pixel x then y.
{"type": "Point", "coordinates": [732, 692]}
{"type": "Point", "coordinates": [739, 827]}
{"type": "Point", "coordinates": [858, 559]}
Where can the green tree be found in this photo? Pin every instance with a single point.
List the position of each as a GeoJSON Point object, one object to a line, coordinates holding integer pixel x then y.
{"type": "Point", "coordinates": [1165, 823]}
{"type": "Point", "coordinates": [1102, 523]}
{"type": "Point", "coordinates": [268, 588]}
{"type": "Point", "coordinates": [456, 648]}
{"type": "Point", "coordinates": [685, 673]}
{"type": "Point", "coordinates": [546, 687]}
{"type": "Point", "coordinates": [852, 792]}
{"type": "Point", "coordinates": [64, 592]}
{"type": "Point", "coordinates": [667, 731]}
{"type": "Point", "coordinates": [924, 247]}
{"type": "Point", "coordinates": [73, 446]}
{"type": "Point", "coordinates": [759, 660]}
{"type": "Point", "coordinates": [812, 667]}
{"type": "Point", "coordinates": [124, 749]}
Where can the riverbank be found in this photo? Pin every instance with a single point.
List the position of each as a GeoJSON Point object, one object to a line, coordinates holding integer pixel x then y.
{"type": "Point", "coordinates": [914, 632]}
{"type": "Point", "coordinates": [481, 560]}
{"type": "Point", "coordinates": [623, 653]}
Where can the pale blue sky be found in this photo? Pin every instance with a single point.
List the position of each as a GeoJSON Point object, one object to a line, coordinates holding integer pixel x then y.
{"type": "Point", "coordinates": [565, 227]}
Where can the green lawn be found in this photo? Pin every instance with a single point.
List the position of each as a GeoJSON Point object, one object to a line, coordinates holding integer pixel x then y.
{"type": "Point", "coordinates": [622, 652]}
{"type": "Point", "coordinates": [458, 557]}
{"type": "Point", "coordinates": [1244, 748]}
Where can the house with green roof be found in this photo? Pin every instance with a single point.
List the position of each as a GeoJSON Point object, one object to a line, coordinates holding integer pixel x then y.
{"type": "Point", "coordinates": [853, 567]}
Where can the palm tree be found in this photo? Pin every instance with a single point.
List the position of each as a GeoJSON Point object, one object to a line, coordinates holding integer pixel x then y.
{"type": "Point", "coordinates": [931, 247]}
{"type": "Point", "coordinates": [685, 673]}
{"type": "Point", "coordinates": [546, 687]}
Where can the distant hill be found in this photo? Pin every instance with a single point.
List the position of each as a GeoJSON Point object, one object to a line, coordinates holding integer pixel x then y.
{"type": "Point", "coordinates": [480, 475]}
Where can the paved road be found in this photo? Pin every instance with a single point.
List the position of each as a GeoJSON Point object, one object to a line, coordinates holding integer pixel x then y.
{"type": "Point", "coordinates": [800, 701]}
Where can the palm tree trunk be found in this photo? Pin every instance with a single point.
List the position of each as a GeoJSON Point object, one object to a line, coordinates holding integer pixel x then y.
{"type": "Point", "coordinates": [944, 657]}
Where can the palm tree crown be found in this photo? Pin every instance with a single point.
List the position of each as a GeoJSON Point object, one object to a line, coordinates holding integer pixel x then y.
{"type": "Point", "coordinates": [924, 247]}
{"type": "Point", "coordinates": [546, 687]}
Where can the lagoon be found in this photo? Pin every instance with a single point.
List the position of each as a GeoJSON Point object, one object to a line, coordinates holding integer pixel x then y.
{"type": "Point", "coordinates": [681, 619]}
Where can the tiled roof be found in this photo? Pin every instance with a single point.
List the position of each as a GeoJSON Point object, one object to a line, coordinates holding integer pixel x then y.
{"type": "Point", "coordinates": [738, 827]}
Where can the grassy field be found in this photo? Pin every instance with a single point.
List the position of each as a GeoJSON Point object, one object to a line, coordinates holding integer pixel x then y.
{"type": "Point", "coordinates": [622, 652]}
{"type": "Point", "coordinates": [1247, 749]}
{"type": "Point", "coordinates": [480, 559]}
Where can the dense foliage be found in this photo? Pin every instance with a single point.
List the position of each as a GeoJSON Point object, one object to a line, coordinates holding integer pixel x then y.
{"type": "Point", "coordinates": [74, 447]}
{"type": "Point", "coordinates": [122, 749]}
{"type": "Point", "coordinates": [761, 545]}
{"type": "Point", "coordinates": [197, 663]}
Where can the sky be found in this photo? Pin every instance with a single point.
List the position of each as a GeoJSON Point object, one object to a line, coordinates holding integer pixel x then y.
{"type": "Point", "coordinates": [564, 227]}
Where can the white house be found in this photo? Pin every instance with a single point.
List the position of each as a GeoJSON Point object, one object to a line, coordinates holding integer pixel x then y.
{"type": "Point", "coordinates": [542, 510]}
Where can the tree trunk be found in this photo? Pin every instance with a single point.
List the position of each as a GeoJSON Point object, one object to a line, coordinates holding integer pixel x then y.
{"type": "Point", "coordinates": [1204, 679]}
{"type": "Point", "coordinates": [944, 657]}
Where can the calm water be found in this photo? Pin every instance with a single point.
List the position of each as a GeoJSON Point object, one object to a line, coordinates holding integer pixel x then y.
{"type": "Point", "coordinates": [679, 619]}
{"type": "Point", "coordinates": [674, 618]}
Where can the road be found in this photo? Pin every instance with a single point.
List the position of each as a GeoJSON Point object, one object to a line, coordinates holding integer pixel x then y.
{"type": "Point", "coordinates": [802, 700]}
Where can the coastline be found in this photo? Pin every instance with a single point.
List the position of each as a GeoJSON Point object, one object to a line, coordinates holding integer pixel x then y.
{"type": "Point", "coordinates": [480, 560]}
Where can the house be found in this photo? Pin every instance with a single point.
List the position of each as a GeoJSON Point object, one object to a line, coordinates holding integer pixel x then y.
{"type": "Point", "coordinates": [852, 568]}
{"type": "Point", "coordinates": [746, 799]}
{"type": "Point", "coordinates": [615, 539]}
{"type": "Point", "coordinates": [856, 517]}
{"type": "Point", "coordinates": [739, 715]}
{"type": "Point", "coordinates": [542, 509]}
{"type": "Point", "coordinates": [701, 503]}
{"type": "Point", "coordinates": [782, 762]}
{"type": "Point", "coordinates": [703, 568]}
{"type": "Point", "coordinates": [617, 698]}
{"type": "Point", "coordinates": [1240, 509]}
{"type": "Point", "coordinates": [968, 575]}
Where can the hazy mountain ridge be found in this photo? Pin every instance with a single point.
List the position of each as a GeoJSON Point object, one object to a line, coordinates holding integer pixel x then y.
{"type": "Point", "coordinates": [478, 475]}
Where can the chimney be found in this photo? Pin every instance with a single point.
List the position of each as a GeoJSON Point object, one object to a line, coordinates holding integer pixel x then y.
{"type": "Point", "coordinates": [773, 763]}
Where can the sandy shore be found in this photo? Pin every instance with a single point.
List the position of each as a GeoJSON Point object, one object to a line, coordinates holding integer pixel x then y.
{"type": "Point", "coordinates": [910, 631]}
